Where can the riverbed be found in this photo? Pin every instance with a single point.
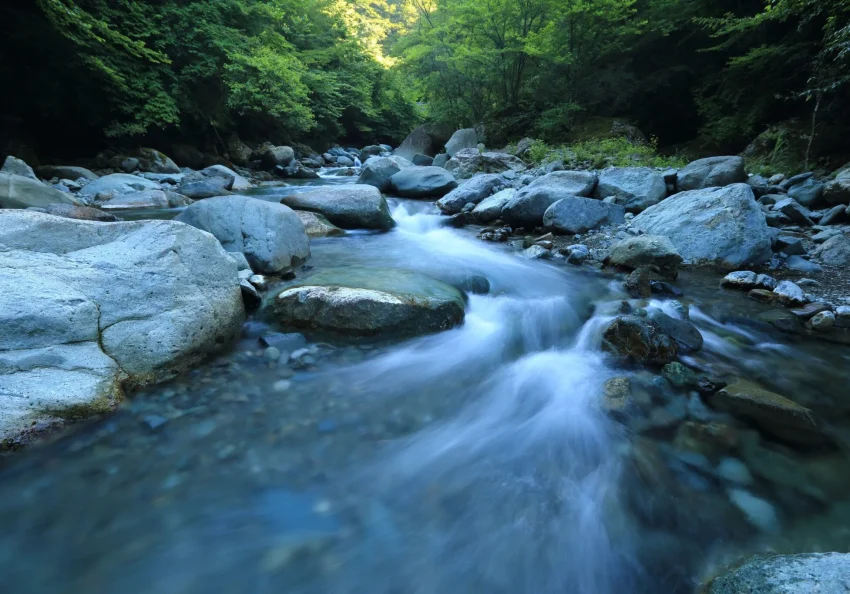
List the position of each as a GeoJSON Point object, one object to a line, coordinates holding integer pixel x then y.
{"type": "Point", "coordinates": [478, 459]}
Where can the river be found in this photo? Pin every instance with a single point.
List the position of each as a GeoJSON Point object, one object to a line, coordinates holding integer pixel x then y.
{"type": "Point", "coordinates": [474, 460]}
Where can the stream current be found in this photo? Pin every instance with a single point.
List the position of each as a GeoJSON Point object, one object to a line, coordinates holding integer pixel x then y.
{"type": "Point", "coordinates": [474, 460]}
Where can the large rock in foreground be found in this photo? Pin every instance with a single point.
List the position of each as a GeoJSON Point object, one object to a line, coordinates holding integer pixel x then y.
{"type": "Point", "coordinates": [350, 207]}
{"type": "Point", "coordinates": [821, 573]}
{"type": "Point", "coordinates": [368, 301]}
{"type": "Point", "coordinates": [423, 182]}
{"type": "Point", "coordinates": [17, 191]}
{"type": "Point", "coordinates": [271, 236]}
{"type": "Point", "coordinates": [720, 226]}
{"type": "Point", "coordinates": [579, 215]}
{"type": "Point", "coordinates": [633, 188]}
{"type": "Point", "coordinates": [88, 308]}
{"type": "Point", "coordinates": [711, 172]}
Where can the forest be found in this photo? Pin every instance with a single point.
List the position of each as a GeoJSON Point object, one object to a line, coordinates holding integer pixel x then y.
{"type": "Point", "coordinates": [700, 76]}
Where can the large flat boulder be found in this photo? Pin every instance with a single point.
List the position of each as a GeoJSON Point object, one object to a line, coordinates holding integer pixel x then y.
{"type": "Point", "coordinates": [633, 188]}
{"type": "Point", "coordinates": [368, 301]}
{"type": "Point", "coordinates": [816, 573]}
{"type": "Point", "coordinates": [718, 226]}
{"type": "Point", "coordinates": [470, 192]}
{"type": "Point", "coordinates": [270, 235]}
{"type": "Point", "coordinates": [423, 182]}
{"type": "Point", "coordinates": [66, 172]}
{"type": "Point", "coordinates": [14, 166]}
{"type": "Point", "coordinates": [711, 172]}
{"type": "Point", "coordinates": [89, 308]}
{"type": "Point", "coordinates": [578, 215]}
{"type": "Point", "coordinates": [347, 206]}
{"type": "Point", "coordinates": [462, 139]}
{"type": "Point", "coordinates": [578, 183]}
{"type": "Point", "coordinates": [527, 207]}
{"type": "Point", "coordinates": [467, 162]}
{"type": "Point", "coordinates": [17, 191]}
{"type": "Point", "coordinates": [118, 183]}
{"type": "Point", "coordinates": [147, 199]}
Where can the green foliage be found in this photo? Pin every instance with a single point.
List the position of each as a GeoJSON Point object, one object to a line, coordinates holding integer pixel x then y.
{"type": "Point", "coordinates": [601, 153]}
{"type": "Point", "coordinates": [287, 68]}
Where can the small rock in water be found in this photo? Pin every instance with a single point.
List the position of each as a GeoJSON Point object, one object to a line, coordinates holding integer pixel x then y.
{"type": "Point", "coordinates": [250, 296]}
{"type": "Point", "coordinates": [537, 252]}
{"type": "Point", "coordinates": [282, 385]}
{"type": "Point", "coordinates": [759, 512]}
{"type": "Point", "coordinates": [617, 393]}
{"type": "Point", "coordinates": [763, 295]}
{"type": "Point", "coordinates": [679, 375]}
{"type": "Point", "coordinates": [576, 254]}
{"type": "Point", "coordinates": [259, 281]}
{"type": "Point", "coordinates": [284, 342]}
{"type": "Point", "coordinates": [272, 354]}
{"type": "Point", "coordinates": [842, 316]}
{"type": "Point", "coordinates": [154, 422]}
{"type": "Point", "coordinates": [638, 284]}
{"type": "Point", "coordinates": [823, 322]}
{"type": "Point", "coordinates": [734, 471]}
{"type": "Point", "coordinates": [789, 294]}
{"type": "Point", "coordinates": [327, 426]}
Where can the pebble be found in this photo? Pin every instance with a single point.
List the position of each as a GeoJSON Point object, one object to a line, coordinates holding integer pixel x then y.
{"type": "Point", "coordinates": [759, 513]}
{"type": "Point", "coordinates": [823, 322]}
{"type": "Point", "coordinates": [282, 385]}
{"type": "Point", "coordinates": [272, 354]}
{"type": "Point", "coordinates": [789, 293]}
{"type": "Point", "coordinates": [808, 282]}
{"type": "Point", "coordinates": [734, 471]}
{"type": "Point", "coordinates": [154, 421]}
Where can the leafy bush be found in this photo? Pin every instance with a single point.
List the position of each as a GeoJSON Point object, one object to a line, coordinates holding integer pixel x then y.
{"type": "Point", "coordinates": [601, 153]}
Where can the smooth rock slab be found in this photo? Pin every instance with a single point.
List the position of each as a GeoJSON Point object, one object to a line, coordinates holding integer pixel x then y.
{"type": "Point", "coordinates": [579, 215]}
{"type": "Point", "coordinates": [17, 191]}
{"type": "Point", "coordinates": [490, 208]}
{"type": "Point", "coordinates": [720, 226]}
{"type": "Point", "coordinates": [88, 307]}
{"type": "Point", "coordinates": [579, 183]}
{"type": "Point", "coordinates": [347, 206]}
{"type": "Point", "coordinates": [423, 182]}
{"type": "Point", "coordinates": [271, 236]}
{"type": "Point", "coordinates": [368, 301]}
{"type": "Point", "coordinates": [819, 573]}
{"type": "Point", "coordinates": [473, 191]}
{"type": "Point", "coordinates": [633, 188]}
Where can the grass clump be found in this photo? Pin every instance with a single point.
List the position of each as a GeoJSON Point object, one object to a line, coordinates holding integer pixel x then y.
{"type": "Point", "coordinates": [602, 153]}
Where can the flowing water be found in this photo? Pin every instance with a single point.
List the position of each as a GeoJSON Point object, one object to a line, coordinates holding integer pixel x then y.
{"type": "Point", "coordinates": [474, 460]}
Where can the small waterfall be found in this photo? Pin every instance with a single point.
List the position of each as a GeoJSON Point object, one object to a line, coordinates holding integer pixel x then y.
{"type": "Point", "coordinates": [357, 162]}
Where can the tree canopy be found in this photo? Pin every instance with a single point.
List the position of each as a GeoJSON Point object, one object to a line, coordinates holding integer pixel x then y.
{"type": "Point", "coordinates": [318, 71]}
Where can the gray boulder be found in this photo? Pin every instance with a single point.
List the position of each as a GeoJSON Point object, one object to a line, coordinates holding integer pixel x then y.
{"type": "Point", "coordinates": [441, 160]}
{"type": "Point", "coordinates": [17, 191]}
{"type": "Point", "coordinates": [527, 207]}
{"type": "Point", "coordinates": [271, 236]}
{"type": "Point", "coordinates": [145, 199]}
{"type": "Point", "coordinates": [468, 162]}
{"type": "Point", "coordinates": [837, 190]}
{"type": "Point", "coordinates": [462, 139]}
{"type": "Point", "coordinates": [81, 213]}
{"type": "Point", "coordinates": [236, 182]}
{"type": "Point", "coordinates": [14, 166]}
{"type": "Point", "coordinates": [645, 250]}
{"type": "Point", "coordinates": [378, 171]}
{"type": "Point", "coordinates": [155, 162]}
{"type": "Point", "coordinates": [835, 251]}
{"type": "Point", "coordinates": [686, 334]}
{"type": "Point", "coordinates": [473, 191]}
{"type": "Point", "coordinates": [633, 188]}
{"type": "Point", "coordinates": [422, 160]}
{"type": "Point", "coordinates": [370, 151]}
{"type": "Point", "coordinates": [272, 156]}
{"type": "Point", "coordinates": [422, 182]}
{"type": "Point", "coordinates": [578, 183]}
{"type": "Point", "coordinates": [118, 183]}
{"type": "Point", "coordinates": [346, 206]}
{"type": "Point", "coordinates": [345, 161]}
{"type": "Point", "coordinates": [426, 140]}
{"type": "Point", "coordinates": [824, 573]}
{"type": "Point", "coordinates": [578, 215]}
{"type": "Point", "coordinates": [89, 308]}
{"type": "Point", "coordinates": [317, 225]}
{"type": "Point", "coordinates": [66, 172]}
{"type": "Point", "coordinates": [808, 193]}
{"type": "Point", "coordinates": [836, 214]}
{"type": "Point", "coordinates": [794, 211]}
{"type": "Point", "coordinates": [206, 188]}
{"type": "Point", "coordinates": [722, 226]}
{"type": "Point", "coordinates": [711, 172]}
{"type": "Point", "coordinates": [367, 301]}
{"type": "Point", "coordinates": [490, 208]}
